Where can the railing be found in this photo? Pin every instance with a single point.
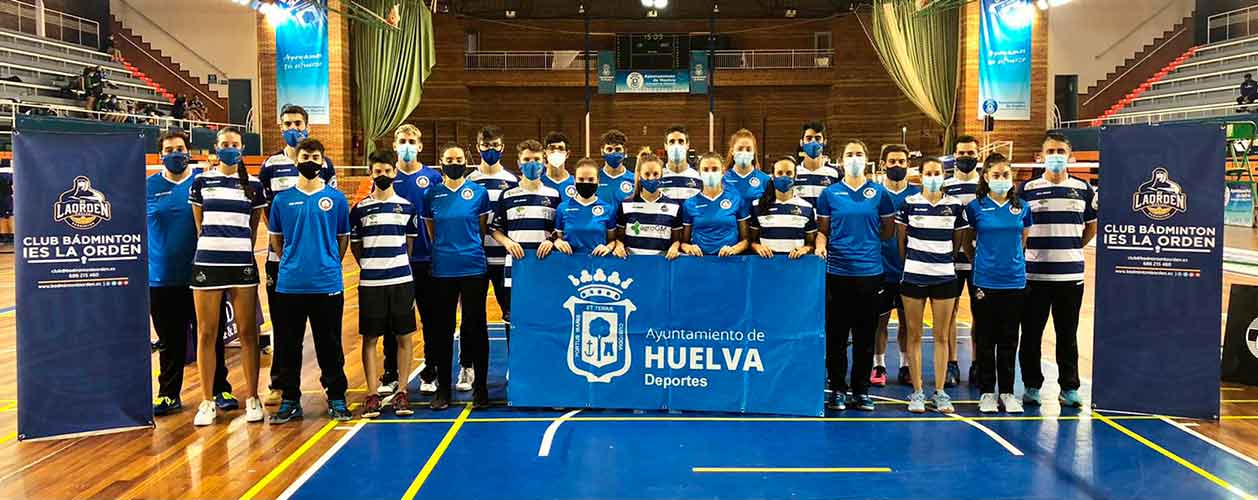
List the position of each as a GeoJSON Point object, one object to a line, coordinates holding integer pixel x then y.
{"type": "Point", "coordinates": [176, 74]}
{"type": "Point", "coordinates": [1158, 116]}
{"type": "Point", "coordinates": [14, 109]}
{"type": "Point", "coordinates": [1232, 24]}
{"type": "Point", "coordinates": [153, 24]}
{"type": "Point", "coordinates": [57, 25]}
{"type": "Point", "coordinates": [773, 59]}
{"type": "Point", "coordinates": [554, 60]}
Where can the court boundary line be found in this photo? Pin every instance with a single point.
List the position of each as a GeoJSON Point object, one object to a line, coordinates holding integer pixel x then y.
{"type": "Point", "coordinates": [1229, 450]}
{"type": "Point", "coordinates": [1013, 450]}
{"type": "Point", "coordinates": [289, 460]}
{"type": "Point", "coordinates": [1172, 456]}
{"type": "Point", "coordinates": [929, 419]}
{"type": "Point", "coordinates": [789, 470]}
{"type": "Point", "coordinates": [543, 450]}
{"type": "Point", "coordinates": [323, 459]}
{"type": "Point", "coordinates": [435, 457]}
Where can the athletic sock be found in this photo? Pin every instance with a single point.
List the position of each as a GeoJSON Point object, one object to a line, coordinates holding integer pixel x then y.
{"type": "Point", "coordinates": [880, 360]}
{"type": "Point", "coordinates": [904, 360]}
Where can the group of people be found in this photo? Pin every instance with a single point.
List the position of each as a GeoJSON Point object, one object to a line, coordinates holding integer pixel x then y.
{"type": "Point", "coordinates": [438, 237]}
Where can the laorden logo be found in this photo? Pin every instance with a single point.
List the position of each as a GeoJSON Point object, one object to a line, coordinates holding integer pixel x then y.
{"type": "Point", "coordinates": [599, 347]}
{"type": "Point", "coordinates": [1159, 198]}
{"type": "Point", "coordinates": [81, 207]}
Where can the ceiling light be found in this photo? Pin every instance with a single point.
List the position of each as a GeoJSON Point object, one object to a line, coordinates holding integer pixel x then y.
{"type": "Point", "coordinates": [652, 13]}
{"type": "Point", "coordinates": [647, 3]}
{"type": "Point", "coordinates": [510, 14]}
{"type": "Point", "coordinates": [660, 4]}
{"type": "Point", "coordinates": [790, 12]}
{"type": "Point", "coordinates": [1042, 4]}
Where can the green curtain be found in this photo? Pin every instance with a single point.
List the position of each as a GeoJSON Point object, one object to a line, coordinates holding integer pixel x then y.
{"type": "Point", "coordinates": [921, 51]}
{"type": "Point", "coordinates": [391, 66]}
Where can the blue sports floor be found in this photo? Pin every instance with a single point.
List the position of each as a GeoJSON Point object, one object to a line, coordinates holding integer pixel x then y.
{"type": "Point", "coordinates": [506, 453]}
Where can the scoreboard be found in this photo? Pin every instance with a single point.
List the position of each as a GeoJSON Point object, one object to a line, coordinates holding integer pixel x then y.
{"type": "Point", "coordinates": [653, 51]}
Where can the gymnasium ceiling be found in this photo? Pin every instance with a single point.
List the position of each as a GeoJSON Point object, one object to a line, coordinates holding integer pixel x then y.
{"type": "Point", "coordinates": [633, 9]}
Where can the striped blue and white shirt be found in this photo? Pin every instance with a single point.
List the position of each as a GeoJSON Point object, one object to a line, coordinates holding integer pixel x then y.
{"type": "Point", "coordinates": [680, 186]}
{"type": "Point", "coordinates": [225, 239]}
{"type": "Point", "coordinates": [1054, 248]}
{"type": "Point", "coordinates": [786, 225]}
{"type": "Point", "coordinates": [495, 184]}
{"type": "Point", "coordinates": [383, 228]}
{"type": "Point", "coordinates": [527, 217]}
{"type": "Point", "coordinates": [279, 174]}
{"type": "Point", "coordinates": [648, 225]}
{"type": "Point", "coordinates": [929, 230]}
{"type": "Point", "coordinates": [810, 183]}
{"type": "Point", "coordinates": [963, 191]}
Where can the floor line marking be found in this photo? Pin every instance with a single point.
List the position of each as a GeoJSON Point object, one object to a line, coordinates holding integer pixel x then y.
{"type": "Point", "coordinates": [327, 455]}
{"type": "Point", "coordinates": [8, 437]}
{"type": "Point", "coordinates": [1028, 418]}
{"type": "Point", "coordinates": [288, 461]}
{"type": "Point", "coordinates": [1216, 444]}
{"type": "Point", "coordinates": [418, 483]}
{"type": "Point", "coordinates": [1176, 458]}
{"type": "Point", "coordinates": [990, 433]}
{"type": "Point", "coordinates": [778, 470]}
{"type": "Point", "coordinates": [544, 449]}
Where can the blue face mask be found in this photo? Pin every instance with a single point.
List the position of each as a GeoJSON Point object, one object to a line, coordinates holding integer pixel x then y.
{"type": "Point", "coordinates": [175, 161]}
{"type": "Point", "coordinates": [407, 152]}
{"type": "Point", "coordinates": [650, 185]}
{"type": "Point", "coordinates": [531, 170]}
{"type": "Point", "coordinates": [932, 183]}
{"type": "Point", "coordinates": [1000, 186]}
{"type": "Point", "coordinates": [813, 149]}
{"type": "Point", "coordinates": [229, 156]}
{"type": "Point", "coordinates": [491, 156]}
{"type": "Point", "coordinates": [744, 158]}
{"type": "Point", "coordinates": [783, 183]}
{"type": "Point", "coordinates": [293, 137]}
{"type": "Point", "coordinates": [711, 179]}
{"type": "Point", "coordinates": [614, 158]}
{"type": "Point", "coordinates": [1055, 163]}
{"type": "Point", "coordinates": [677, 153]}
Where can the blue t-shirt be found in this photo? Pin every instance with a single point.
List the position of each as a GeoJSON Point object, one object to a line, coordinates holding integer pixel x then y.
{"type": "Point", "coordinates": [750, 187]}
{"type": "Point", "coordinates": [585, 226]}
{"type": "Point", "coordinates": [310, 224]}
{"type": "Point", "coordinates": [171, 229]}
{"type": "Point", "coordinates": [457, 248]}
{"type": "Point", "coordinates": [892, 263]}
{"type": "Point", "coordinates": [412, 187]}
{"type": "Point", "coordinates": [615, 190]}
{"type": "Point", "coordinates": [855, 221]}
{"type": "Point", "coordinates": [566, 188]}
{"type": "Point", "coordinates": [714, 221]}
{"type": "Point", "coordinates": [279, 173]}
{"type": "Point", "coordinates": [998, 255]}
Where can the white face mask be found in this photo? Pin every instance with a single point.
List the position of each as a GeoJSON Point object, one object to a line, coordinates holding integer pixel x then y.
{"type": "Point", "coordinates": [854, 166]}
{"type": "Point", "coordinates": [557, 159]}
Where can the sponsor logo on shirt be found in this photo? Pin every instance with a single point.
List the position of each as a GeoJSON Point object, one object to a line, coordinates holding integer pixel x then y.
{"type": "Point", "coordinates": [1015, 210]}
{"type": "Point", "coordinates": [626, 187]}
{"type": "Point", "coordinates": [570, 190]}
{"type": "Point", "coordinates": [421, 181]}
{"type": "Point", "coordinates": [325, 204]}
{"type": "Point", "coordinates": [754, 182]}
{"type": "Point", "coordinates": [869, 192]}
{"type": "Point", "coordinates": [466, 194]}
{"type": "Point", "coordinates": [725, 204]}
{"type": "Point", "coordinates": [597, 210]}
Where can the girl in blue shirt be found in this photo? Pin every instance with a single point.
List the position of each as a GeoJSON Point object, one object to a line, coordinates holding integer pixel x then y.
{"type": "Point", "coordinates": [855, 216]}
{"type": "Point", "coordinates": [999, 223]}
{"type": "Point", "coordinates": [716, 218]}
{"type": "Point", "coordinates": [783, 222]}
{"type": "Point", "coordinates": [584, 223]}
{"type": "Point", "coordinates": [649, 223]}
{"type": "Point", "coordinates": [743, 169]}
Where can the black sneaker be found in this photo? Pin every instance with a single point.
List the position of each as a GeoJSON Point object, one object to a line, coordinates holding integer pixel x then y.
{"type": "Point", "coordinates": [863, 402]}
{"type": "Point", "coordinates": [226, 401]}
{"type": "Point", "coordinates": [839, 400]}
{"type": "Point", "coordinates": [905, 377]}
{"type": "Point", "coordinates": [973, 373]}
{"type": "Point", "coordinates": [954, 375]}
{"type": "Point", "coordinates": [480, 398]}
{"type": "Point", "coordinates": [163, 405]}
{"type": "Point", "coordinates": [440, 402]}
{"type": "Point", "coordinates": [288, 411]}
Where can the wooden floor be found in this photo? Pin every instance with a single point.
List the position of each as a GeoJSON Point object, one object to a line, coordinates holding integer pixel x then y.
{"type": "Point", "coordinates": [234, 459]}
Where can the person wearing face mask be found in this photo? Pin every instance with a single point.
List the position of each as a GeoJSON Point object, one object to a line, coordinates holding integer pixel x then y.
{"type": "Point", "coordinates": [895, 165]}
{"type": "Point", "coordinates": [495, 179]}
{"type": "Point", "coordinates": [930, 225]}
{"type": "Point", "coordinates": [742, 169]}
{"type": "Point", "coordinates": [812, 175]}
{"type": "Point", "coordinates": [227, 204]}
{"type": "Point", "coordinates": [584, 224]}
{"type": "Point", "coordinates": [855, 216]}
{"type": "Point", "coordinates": [557, 176]}
{"type": "Point", "coordinates": [172, 243]}
{"type": "Point", "coordinates": [524, 217]}
{"type": "Point", "coordinates": [1064, 210]}
{"type": "Point", "coordinates": [783, 222]}
{"type": "Point", "coordinates": [456, 216]}
{"type": "Point", "coordinates": [716, 219]}
{"type": "Point", "coordinates": [615, 182]}
{"type": "Point", "coordinates": [649, 223]}
{"type": "Point", "coordinates": [382, 232]}
{"type": "Point", "coordinates": [963, 185]}
{"type": "Point", "coordinates": [679, 181]}
{"type": "Point", "coordinates": [310, 229]}
{"type": "Point", "coordinates": [999, 224]}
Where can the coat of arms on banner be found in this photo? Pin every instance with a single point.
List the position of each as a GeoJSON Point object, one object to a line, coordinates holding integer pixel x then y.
{"type": "Point", "coordinates": [599, 347]}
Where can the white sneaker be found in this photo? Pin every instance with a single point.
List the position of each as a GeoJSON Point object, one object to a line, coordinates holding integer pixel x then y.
{"type": "Point", "coordinates": [1011, 403]}
{"type": "Point", "coordinates": [253, 410]}
{"type": "Point", "coordinates": [466, 377]}
{"type": "Point", "coordinates": [428, 387]}
{"type": "Point", "coordinates": [387, 389]}
{"type": "Point", "coordinates": [987, 403]}
{"type": "Point", "coordinates": [205, 413]}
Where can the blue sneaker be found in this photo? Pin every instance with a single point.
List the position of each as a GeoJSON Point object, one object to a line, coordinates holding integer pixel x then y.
{"type": "Point", "coordinates": [226, 401]}
{"type": "Point", "coordinates": [1071, 398]}
{"type": "Point", "coordinates": [839, 401]}
{"type": "Point", "coordinates": [288, 411]}
{"type": "Point", "coordinates": [163, 405]}
{"type": "Point", "coordinates": [1031, 397]}
{"type": "Point", "coordinates": [863, 402]}
{"type": "Point", "coordinates": [337, 410]}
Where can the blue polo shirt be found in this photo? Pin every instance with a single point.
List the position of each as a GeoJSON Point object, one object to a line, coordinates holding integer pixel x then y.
{"type": "Point", "coordinates": [566, 188]}
{"type": "Point", "coordinates": [457, 248]}
{"type": "Point", "coordinates": [412, 187]}
{"type": "Point", "coordinates": [585, 226]}
{"type": "Point", "coordinates": [855, 220]}
{"type": "Point", "coordinates": [998, 256]}
{"type": "Point", "coordinates": [714, 221]}
{"type": "Point", "coordinates": [615, 190]}
{"type": "Point", "coordinates": [171, 229]}
{"type": "Point", "coordinates": [892, 262]}
{"type": "Point", "coordinates": [751, 187]}
{"type": "Point", "coordinates": [310, 225]}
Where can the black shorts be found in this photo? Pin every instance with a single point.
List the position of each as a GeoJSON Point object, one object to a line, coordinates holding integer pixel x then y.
{"type": "Point", "coordinates": [889, 299]}
{"type": "Point", "coordinates": [941, 291]}
{"type": "Point", "coordinates": [964, 279]}
{"type": "Point", "coordinates": [386, 310]}
{"type": "Point", "coordinates": [222, 277]}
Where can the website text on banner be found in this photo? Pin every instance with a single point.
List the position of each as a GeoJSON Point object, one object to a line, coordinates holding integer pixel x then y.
{"type": "Point", "coordinates": [301, 58]}
{"type": "Point", "coordinates": [739, 334]}
{"type": "Point", "coordinates": [1004, 59]}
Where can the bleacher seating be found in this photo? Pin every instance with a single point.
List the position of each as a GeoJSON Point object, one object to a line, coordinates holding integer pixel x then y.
{"type": "Point", "coordinates": [1204, 84]}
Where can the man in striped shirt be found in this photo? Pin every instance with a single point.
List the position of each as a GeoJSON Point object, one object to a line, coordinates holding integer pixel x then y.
{"type": "Point", "coordinates": [963, 185]}
{"type": "Point", "coordinates": [495, 179]}
{"type": "Point", "coordinates": [1064, 211]}
{"type": "Point", "coordinates": [680, 181]}
{"type": "Point", "coordinates": [525, 215]}
{"type": "Point", "coordinates": [813, 175]}
{"type": "Point", "coordinates": [382, 232]}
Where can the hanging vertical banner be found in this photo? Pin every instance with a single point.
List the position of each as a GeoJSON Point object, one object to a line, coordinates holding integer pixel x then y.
{"type": "Point", "coordinates": [301, 57]}
{"type": "Point", "coordinates": [606, 72]}
{"type": "Point", "coordinates": [82, 284]}
{"type": "Point", "coordinates": [1004, 59]}
{"type": "Point", "coordinates": [700, 72]}
{"type": "Point", "coordinates": [1161, 231]}
{"type": "Point", "coordinates": [1240, 204]}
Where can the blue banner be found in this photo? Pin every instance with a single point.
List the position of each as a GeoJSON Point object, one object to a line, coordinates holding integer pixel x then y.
{"type": "Point", "coordinates": [1004, 62]}
{"type": "Point", "coordinates": [700, 72]}
{"type": "Point", "coordinates": [83, 360]}
{"type": "Point", "coordinates": [1161, 233]}
{"type": "Point", "coordinates": [653, 81]}
{"type": "Point", "coordinates": [606, 72]}
{"type": "Point", "coordinates": [739, 334]}
{"type": "Point", "coordinates": [1240, 204]}
{"type": "Point", "coordinates": [301, 58]}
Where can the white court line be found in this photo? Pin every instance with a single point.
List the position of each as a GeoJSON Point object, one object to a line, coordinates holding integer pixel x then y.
{"type": "Point", "coordinates": [1248, 459]}
{"type": "Point", "coordinates": [990, 433]}
{"type": "Point", "coordinates": [549, 436]}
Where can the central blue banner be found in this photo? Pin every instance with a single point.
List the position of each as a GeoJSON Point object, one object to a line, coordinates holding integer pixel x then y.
{"type": "Point", "coordinates": [645, 81]}
{"type": "Point", "coordinates": [1004, 59]}
{"type": "Point", "coordinates": [301, 58]}
{"type": "Point", "coordinates": [738, 334]}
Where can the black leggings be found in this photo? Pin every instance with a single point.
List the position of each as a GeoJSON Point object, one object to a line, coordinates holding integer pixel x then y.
{"type": "Point", "coordinates": [996, 317]}
{"type": "Point", "coordinates": [450, 294]}
{"type": "Point", "coordinates": [502, 295]}
{"type": "Point", "coordinates": [851, 309]}
{"type": "Point", "coordinates": [173, 314]}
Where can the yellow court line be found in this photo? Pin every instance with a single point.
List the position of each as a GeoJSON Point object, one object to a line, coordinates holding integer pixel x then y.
{"type": "Point", "coordinates": [9, 406]}
{"type": "Point", "coordinates": [494, 420]}
{"type": "Point", "coordinates": [292, 458]}
{"type": "Point", "coordinates": [1176, 458]}
{"type": "Point", "coordinates": [8, 437]}
{"type": "Point", "coordinates": [790, 469]}
{"type": "Point", "coordinates": [436, 455]}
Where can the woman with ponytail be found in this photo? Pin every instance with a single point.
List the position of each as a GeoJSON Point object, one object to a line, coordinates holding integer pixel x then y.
{"type": "Point", "coordinates": [783, 222]}
{"type": "Point", "coordinates": [649, 223]}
